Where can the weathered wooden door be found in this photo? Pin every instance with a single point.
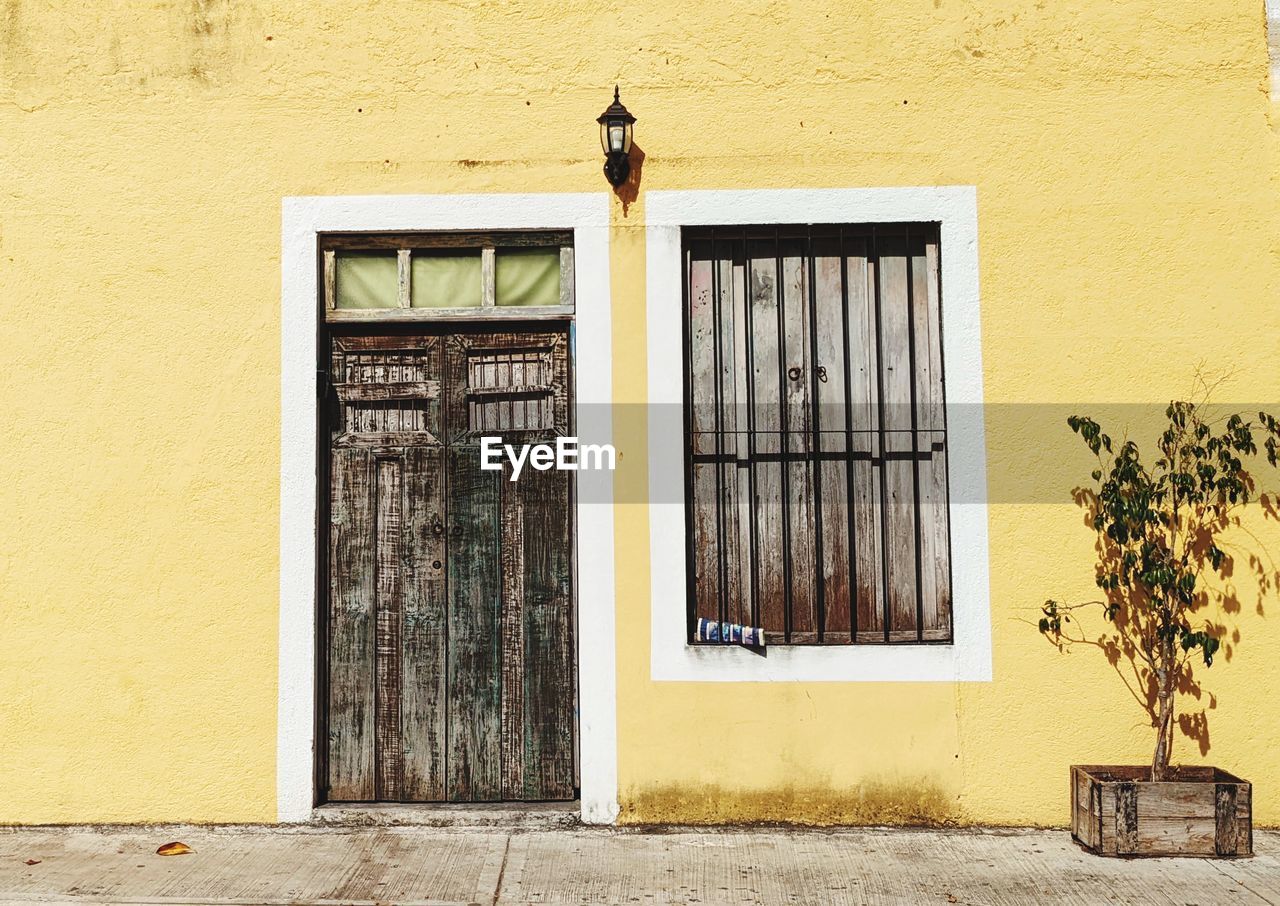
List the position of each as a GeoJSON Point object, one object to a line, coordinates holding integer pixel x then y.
{"type": "Point", "coordinates": [450, 614]}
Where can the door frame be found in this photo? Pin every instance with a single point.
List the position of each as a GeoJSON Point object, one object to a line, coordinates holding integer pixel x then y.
{"type": "Point", "coordinates": [303, 219]}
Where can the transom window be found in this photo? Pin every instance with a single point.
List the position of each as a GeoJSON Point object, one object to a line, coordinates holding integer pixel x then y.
{"type": "Point", "coordinates": [815, 433]}
{"type": "Point", "coordinates": [432, 276]}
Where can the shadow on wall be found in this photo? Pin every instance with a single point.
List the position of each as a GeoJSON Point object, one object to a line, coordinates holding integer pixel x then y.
{"type": "Point", "coordinates": [920, 803]}
{"type": "Point", "coordinates": [629, 191]}
{"type": "Point", "coordinates": [1120, 640]}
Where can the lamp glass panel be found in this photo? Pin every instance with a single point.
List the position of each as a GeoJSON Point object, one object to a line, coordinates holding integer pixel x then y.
{"type": "Point", "coordinates": [445, 279]}
{"type": "Point", "coordinates": [617, 135]}
{"type": "Point", "coordinates": [626, 141]}
{"type": "Point", "coordinates": [527, 277]}
{"type": "Point", "coordinates": [365, 280]}
{"type": "Point", "coordinates": [604, 137]}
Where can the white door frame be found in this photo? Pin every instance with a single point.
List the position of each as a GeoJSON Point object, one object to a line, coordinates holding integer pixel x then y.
{"type": "Point", "coordinates": [302, 219]}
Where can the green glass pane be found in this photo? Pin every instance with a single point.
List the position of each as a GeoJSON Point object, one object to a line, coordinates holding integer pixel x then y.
{"type": "Point", "coordinates": [527, 277]}
{"type": "Point", "coordinates": [366, 280]}
{"type": "Point", "coordinates": [449, 280]}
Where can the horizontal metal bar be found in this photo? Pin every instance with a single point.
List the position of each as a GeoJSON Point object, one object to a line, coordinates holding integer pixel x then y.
{"type": "Point", "coordinates": [824, 456]}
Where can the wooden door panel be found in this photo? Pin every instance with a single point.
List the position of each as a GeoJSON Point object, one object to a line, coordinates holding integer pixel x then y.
{"type": "Point", "coordinates": [450, 636]}
{"type": "Point", "coordinates": [425, 630]}
{"type": "Point", "coordinates": [388, 615]}
{"type": "Point", "coordinates": [511, 664]}
{"type": "Point", "coordinates": [538, 630]}
{"type": "Point", "coordinates": [474, 602]}
{"type": "Point", "coordinates": [350, 624]}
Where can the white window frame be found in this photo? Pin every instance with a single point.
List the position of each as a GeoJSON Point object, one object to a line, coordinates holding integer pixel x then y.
{"type": "Point", "coordinates": [587, 215]}
{"type": "Point", "coordinates": [1273, 46]}
{"type": "Point", "coordinates": [968, 657]}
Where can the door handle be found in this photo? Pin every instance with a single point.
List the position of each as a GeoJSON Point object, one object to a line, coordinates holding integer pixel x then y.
{"type": "Point", "coordinates": [794, 372]}
{"type": "Point", "coordinates": [822, 373]}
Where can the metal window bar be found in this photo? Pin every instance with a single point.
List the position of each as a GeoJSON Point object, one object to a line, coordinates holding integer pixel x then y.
{"type": "Point", "coordinates": [717, 393]}
{"type": "Point", "coordinates": [815, 465]}
{"type": "Point", "coordinates": [788, 598]}
{"type": "Point", "coordinates": [753, 515]}
{"type": "Point", "coordinates": [691, 587]}
{"type": "Point", "coordinates": [873, 254]}
{"type": "Point", "coordinates": [851, 522]}
{"type": "Point", "coordinates": [915, 434]}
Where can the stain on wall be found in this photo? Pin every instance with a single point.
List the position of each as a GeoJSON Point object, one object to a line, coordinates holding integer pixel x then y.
{"type": "Point", "coordinates": [914, 802]}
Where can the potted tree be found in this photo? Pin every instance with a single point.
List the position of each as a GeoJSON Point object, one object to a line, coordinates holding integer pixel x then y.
{"type": "Point", "coordinates": [1159, 527]}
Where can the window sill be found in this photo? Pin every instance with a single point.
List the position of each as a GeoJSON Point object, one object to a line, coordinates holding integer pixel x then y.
{"type": "Point", "coordinates": [895, 640]}
{"type": "Point", "coordinates": [896, 662]}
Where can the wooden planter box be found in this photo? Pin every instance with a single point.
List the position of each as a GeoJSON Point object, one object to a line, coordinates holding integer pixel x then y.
{"type": "Point", "coordinates": [1201, 811]}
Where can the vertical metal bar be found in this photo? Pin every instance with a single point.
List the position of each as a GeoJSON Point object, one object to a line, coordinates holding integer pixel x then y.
{"type": "Point", "coordinates": [935, 234]}
{"type": "Point", "coordinates": [787, 597]}
{"type": "Point", "coordinates": [880, 433]}
{"type": "Point", "coordinates": [717, 396]}
{"type": "Point", "coordinates": [848, 443]}
{"type": "Point", "coordinates": [750, 365]}
{"type": "Point", "coordinates": [815, 454]}
{"type": "Point", "coordinates": [691, 588]}
{"type": "Point", "coordinates": [915, 436]}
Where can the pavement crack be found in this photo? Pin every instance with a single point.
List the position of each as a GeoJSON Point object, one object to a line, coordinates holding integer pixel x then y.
{"type": "Point", "coordinates": [502, 870]}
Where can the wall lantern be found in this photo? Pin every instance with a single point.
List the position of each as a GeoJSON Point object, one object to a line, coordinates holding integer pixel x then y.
{"type": "Point", "coordinates": [615, 139]}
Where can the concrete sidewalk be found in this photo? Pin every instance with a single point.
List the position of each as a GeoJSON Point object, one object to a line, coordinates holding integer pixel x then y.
{"type": "Point", "coordinates": [491, 865]}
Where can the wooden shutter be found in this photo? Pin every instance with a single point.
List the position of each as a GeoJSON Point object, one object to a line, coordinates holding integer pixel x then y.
{"type": "Point", "coordinates": [816, 433]}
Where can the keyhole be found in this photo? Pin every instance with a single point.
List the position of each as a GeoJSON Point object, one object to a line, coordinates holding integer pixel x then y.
{"type": "Point", "coordinates": [435, 564]}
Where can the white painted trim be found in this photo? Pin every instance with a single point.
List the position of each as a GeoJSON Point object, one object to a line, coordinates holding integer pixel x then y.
{"type": "Point", "coordinates": [955, 207]}
{"type": "Point", "coordinates": [302, 218]}
{"type": "Point", "coordinates": [1273, 46]}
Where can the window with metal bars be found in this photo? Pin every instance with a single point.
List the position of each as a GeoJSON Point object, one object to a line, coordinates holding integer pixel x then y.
{"type": "Point", "coordinates": [815, 433]}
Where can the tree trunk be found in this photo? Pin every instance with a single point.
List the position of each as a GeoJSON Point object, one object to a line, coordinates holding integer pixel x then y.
{"type": "Point", "coordinates": [1165, 677]}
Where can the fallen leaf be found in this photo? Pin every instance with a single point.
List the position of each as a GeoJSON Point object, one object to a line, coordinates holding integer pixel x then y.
{"type": "Point", "coordinates": [174, 849]}
{"type": "Point", "coordinates": [33, 861]}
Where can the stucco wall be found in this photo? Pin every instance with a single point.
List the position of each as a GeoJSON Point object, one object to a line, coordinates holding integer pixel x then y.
{"type": "Point", "coordinates": [1125, 156]}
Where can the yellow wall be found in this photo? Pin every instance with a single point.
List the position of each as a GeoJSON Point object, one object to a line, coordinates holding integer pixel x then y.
{"type": "Point", "coordinates": [1125, 155]}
